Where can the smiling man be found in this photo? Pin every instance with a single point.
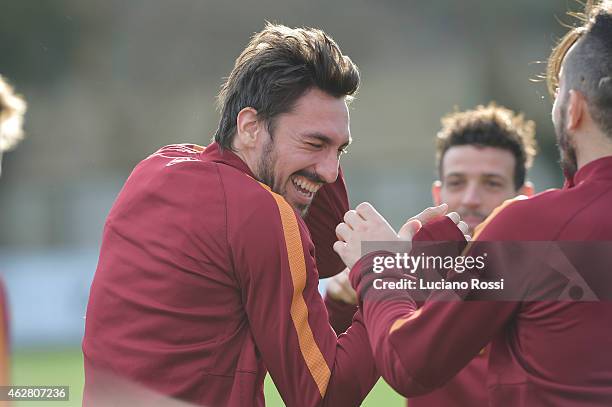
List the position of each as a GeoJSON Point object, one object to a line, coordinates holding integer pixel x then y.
{"type": "Point", "coordinates": [483, 156]}
{"type": "Point", "coordinates": [207, 276]}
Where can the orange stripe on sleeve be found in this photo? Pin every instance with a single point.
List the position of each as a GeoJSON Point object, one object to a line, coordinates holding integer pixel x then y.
{"type": "Point", "coordinates": [401, 321]}
{"type": "Point", "coordinates": [299, 310]}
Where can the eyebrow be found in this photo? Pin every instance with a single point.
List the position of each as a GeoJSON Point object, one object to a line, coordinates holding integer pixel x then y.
{"type": "Point", "coordinates": [327, 140]}
{"type": "Point", "coordinates": [486, 175]}
{"type": "Point", "coordinates": [492, 175]}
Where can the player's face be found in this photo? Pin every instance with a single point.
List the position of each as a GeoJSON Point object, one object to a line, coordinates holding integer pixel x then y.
{"type": "Point", "coordinates": [475, 181]}
{"type": "Point", "coordinates": [304, 149]}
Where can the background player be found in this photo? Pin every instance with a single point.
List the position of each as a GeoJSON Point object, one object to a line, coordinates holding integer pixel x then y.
{"type": "Point", "coordinates": [12, 110]}
{"type": "Point", "coordinates": [482, 156]}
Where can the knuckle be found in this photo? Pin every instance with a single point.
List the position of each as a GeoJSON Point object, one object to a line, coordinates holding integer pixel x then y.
{"type": "Point", "coordinates": [428, 212]}
{"type": "Point", "coordinates": [364, 206]}
{"type": "Point", "coordinates": [349, 215]}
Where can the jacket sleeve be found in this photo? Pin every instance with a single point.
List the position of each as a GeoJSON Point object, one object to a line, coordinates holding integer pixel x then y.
{"type": "Point", "coordinates": [419, 350]}
{"type": "Point", "coordinates": [274, 261]}
{"type": "Point", "coordinates": [326, 212]}
{"type": "Point", "coordinates": [340, 314]}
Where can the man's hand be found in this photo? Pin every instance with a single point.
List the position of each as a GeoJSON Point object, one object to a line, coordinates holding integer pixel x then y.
{"type": "Point", "coordinates": [434, 212]}
{"type": "Point", "coordinates": [339, 288]}
{"type": "Point", "coordinates": [365, 224]}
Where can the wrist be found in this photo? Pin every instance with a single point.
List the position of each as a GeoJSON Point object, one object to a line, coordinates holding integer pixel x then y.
{"type": "Point", "coordinates": [364, 266]}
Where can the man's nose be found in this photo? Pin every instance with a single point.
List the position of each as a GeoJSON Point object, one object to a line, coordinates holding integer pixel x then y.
{"type": "Point", "coordinates": [327, 169]}
{"type": "Point", "coordinates": [472, 196]}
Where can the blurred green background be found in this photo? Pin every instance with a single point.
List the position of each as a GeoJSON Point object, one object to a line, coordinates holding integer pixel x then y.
{"type": "Point", "coordinates": [65, 367]}
{"type": "Point", "coordinates": [109, 82]}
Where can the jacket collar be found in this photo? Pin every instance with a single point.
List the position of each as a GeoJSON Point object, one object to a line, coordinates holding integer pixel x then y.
{"type": "Point", "coordinates": [215, 153]}
{"type": "Point", "coordinates": [596, 169]}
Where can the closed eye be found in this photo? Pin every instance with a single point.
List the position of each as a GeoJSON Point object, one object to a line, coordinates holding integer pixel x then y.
{"type": "Point", "coordinates": [315, 145]}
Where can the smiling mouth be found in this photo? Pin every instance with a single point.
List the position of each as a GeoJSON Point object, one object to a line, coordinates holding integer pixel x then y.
{"type": "Point", "coordinates": [304, 186]}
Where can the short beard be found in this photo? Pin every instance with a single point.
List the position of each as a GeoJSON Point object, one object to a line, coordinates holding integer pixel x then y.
{"type": "Point", "coordinates": [264, 172]}
{"type": "Point", "coordinates": [265, 166]}
{"type": "Point", "coordinates": [569, 162]}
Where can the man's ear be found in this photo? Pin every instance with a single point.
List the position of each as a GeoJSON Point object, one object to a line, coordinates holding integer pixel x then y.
{"type": "Point", "coordinates": [247, 129]}
{"type": "Point", "coordinates": [527, 189]}
{"type": "Point", "coordinates": [436, 187]}
{"type": "Point", "coordinates": [576, 108]}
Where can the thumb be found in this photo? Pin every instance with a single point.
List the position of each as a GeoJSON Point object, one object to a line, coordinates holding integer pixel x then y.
{"type": "Point", "coordinates": [409, 229]}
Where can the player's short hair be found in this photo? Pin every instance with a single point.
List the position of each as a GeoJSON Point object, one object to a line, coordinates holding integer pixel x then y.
{"type": "Point", "coordinates": [490, 126]}
{"type": "Point", "coordinates": [12, 109]}
{"type": "Point", "coordinates": [589, 67]}
{"type": "Point", "coordinates": [277, 67]}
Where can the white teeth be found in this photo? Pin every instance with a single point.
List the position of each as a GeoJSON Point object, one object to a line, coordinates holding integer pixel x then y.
{"type": "Point", "coordinates": [305, 184]}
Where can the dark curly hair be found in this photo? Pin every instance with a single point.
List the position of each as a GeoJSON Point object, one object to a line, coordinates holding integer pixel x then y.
{"type": "Point", "coordinates": [490, 126]}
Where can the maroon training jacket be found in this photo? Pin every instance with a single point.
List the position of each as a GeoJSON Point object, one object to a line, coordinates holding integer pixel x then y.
{"type": "Point", "coordinates": [206, 279]}
{"type": "Point", "coordinates": [543, 353]}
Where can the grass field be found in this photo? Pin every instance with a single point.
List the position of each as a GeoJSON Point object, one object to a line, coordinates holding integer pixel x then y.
{"type": "Point", "coordinates": [65, 367]}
